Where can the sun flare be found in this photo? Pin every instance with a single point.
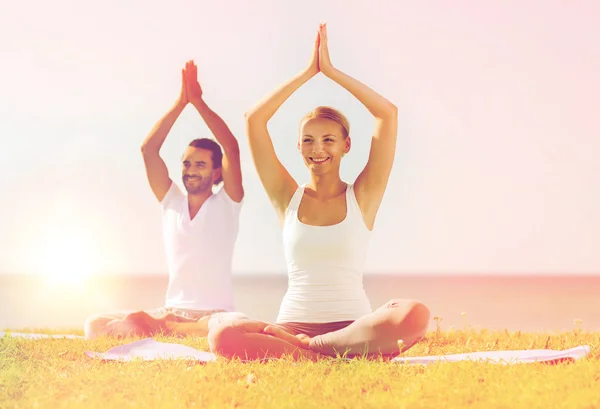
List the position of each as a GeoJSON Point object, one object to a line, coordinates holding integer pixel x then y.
{"type": "Point", "coordinates": [66, 257]}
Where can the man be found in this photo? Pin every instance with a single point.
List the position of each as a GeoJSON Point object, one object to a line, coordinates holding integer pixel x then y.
{"type": "Point", "coordinates": [199, 229]}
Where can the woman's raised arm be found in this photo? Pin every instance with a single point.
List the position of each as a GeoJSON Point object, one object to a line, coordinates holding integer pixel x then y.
{"type": "Point", "coordinates": [278, 183]}
{"type": "Point", "coordinates": [372, 181]}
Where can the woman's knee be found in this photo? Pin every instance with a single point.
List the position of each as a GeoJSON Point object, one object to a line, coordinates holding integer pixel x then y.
{"type": "Point", "coordinates": [219, 318]}
{"type": "Point", "coordinates": [419, 316]}
{"type": "Point", "coordinates": [225, 338]}
{"type": "Point", "coordinates": [410, 314]}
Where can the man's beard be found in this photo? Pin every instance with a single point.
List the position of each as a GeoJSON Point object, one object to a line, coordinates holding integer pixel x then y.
{"type": "Point", "coordinates": [197, 185]}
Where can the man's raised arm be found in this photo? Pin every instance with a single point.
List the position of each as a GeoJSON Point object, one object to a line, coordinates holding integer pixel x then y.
{"type": "Point", "coordinates": [156, 169]}
{"type": "Point", "coordinates": [231, 167]}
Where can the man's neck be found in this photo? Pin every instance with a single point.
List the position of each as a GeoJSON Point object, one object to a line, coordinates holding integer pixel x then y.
{"type": "Point", "coordinates": [196, 200]}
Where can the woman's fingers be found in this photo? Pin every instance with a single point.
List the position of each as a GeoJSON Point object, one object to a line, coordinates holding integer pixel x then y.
{"type": "Point", "coordinates": [323, 32]}
{"type": "Point", "coordinates": [284, 335]}
{"type": "Point", "coordinates": [324, 60]}
{"type": "Point", "coordinates": [304, 339]}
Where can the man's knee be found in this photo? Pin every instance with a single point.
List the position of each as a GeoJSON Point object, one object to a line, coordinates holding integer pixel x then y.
{"type": "Point", "coordinates": [138, 323]}
{"type": "Point", "coordinates": [141, 323]}
{"type": "Point", "coordinates": [226, 337]}
{"type": "Point", "coordinates": [95, 326]}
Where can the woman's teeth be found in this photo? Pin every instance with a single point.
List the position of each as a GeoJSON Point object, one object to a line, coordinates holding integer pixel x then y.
{"type": "Point", "coordinates": [319, 160]}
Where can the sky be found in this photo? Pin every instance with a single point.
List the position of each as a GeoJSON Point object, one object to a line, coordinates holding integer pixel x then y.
{"type": "Point", "coordinates": [496, 170]}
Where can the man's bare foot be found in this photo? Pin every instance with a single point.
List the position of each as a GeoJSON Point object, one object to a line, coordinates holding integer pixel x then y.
{"type": "Point", "coordinates": [184, 329]}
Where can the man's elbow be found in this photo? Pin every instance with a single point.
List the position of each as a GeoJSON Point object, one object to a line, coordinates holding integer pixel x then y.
{"type": "Point", "coordinates": [147, 148]}
{"type": "Point", "coordinates": [232, 149]}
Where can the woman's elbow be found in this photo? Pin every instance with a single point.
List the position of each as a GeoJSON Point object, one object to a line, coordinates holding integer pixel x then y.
{"type": "Point", "coordinates": [251, 116]}
{"type": "Point", "coordinates": [388, 112]}
{"type": "Point", "coordinates": [391, 111]}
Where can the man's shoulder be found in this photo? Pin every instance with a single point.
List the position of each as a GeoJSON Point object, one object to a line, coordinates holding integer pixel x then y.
{"type": "Point", "coordinates": [173, 197]}
{"type": "Point", "coordinates": [223, 197]}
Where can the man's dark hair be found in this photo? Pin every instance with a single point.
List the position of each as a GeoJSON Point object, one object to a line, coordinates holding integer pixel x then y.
{"type": "Point", "coordinates": [214, 148]}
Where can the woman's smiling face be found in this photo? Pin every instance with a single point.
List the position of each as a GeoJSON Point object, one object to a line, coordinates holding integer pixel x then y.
{"type": "Point", "coordinates": [322, 144]}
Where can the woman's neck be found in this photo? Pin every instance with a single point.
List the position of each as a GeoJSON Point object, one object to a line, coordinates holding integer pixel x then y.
{"type": "Point", "coordinates": [326, 186]}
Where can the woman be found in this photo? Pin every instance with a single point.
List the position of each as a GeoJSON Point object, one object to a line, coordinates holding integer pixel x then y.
{"type": "Point", "coordinates": [326, 227]}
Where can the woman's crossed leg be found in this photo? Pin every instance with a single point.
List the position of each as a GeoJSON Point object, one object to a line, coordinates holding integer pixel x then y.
{"type": "Point", "coordinates": [373, 335]}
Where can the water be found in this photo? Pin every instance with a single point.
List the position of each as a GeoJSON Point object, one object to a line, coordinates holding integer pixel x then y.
{"type": "Point", "coordinates": [527, 303]}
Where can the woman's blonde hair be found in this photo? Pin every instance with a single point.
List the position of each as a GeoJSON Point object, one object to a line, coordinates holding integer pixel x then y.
{"type": "Point", "coordinates": [329, 113]}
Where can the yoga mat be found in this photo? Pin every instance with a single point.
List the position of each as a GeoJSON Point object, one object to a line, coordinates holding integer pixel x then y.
{"type": "Point", "coordinates": [150, 350]}
{"type": "Point", "coordinates": [503, 357]}
{"type": "Point", "coordinates": [31, 335]}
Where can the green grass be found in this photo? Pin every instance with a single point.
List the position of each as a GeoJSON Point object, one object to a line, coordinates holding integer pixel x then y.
{"type": "Point", "coordinates": [56, 374]}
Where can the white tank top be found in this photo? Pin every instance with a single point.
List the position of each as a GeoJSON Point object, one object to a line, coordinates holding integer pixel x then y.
{"type": "Point", "coordinates": [325, 265]}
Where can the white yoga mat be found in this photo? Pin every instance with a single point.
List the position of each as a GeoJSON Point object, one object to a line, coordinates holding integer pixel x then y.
{"type": "Point", "coordinates": [31, 335]}
{"type": "Point", "coordinates": [149, 349]}
{"type": "Point", "coordinates": [503, 357]}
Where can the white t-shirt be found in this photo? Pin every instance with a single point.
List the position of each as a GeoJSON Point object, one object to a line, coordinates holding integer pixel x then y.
{"type": "Point", "coordinates": [200, 251]}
